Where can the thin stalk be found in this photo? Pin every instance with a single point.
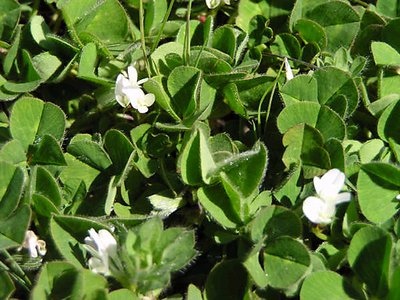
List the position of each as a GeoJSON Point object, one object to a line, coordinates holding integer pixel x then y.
{"type": "Point", "coordinates": [165, 176]}
{"type": "Point", "coordinates": [187, 34]}
{"type": "Point", "coordinates": [35, 8]}
{"type": "Point", "coordinates": [158, 38]}
{"type": "Point", "coordinates": [311, 66]}
{"type": "Point", "coordinates": [142, 38]}
{"type": "Point", "coordinates": [272, 96]}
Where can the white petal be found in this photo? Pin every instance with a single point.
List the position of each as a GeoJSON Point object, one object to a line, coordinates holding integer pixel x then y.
{"type": "Point", "coordinates": [41, 247]}
{"type": "Point", "coordinates": [398, 197]}
{"type": "Point", "coordinates": [149, 99]}
{"type": "Point", "coordinates": [132, 75]}
{"type": "Point", "coordinates": [141, 81]}
{"type": "Point", "coordinates": [107, 241]}
{"type": "Point", "coordinates": [227, 2]}
{"type": "Point", "coordinates": [142, 109]}
{"type": "Point", "coordinates": [316, 211]}
{"type": "Point", "coordinates": [288, 69]}
{"type": "Point", "coordinates": [330, 184]}
{"type": "Point", "coordinates": [98, 266]}
{"type": "Point", "coordinates": [119, 95]}
{"type": "Point", "coordinates": [343, 197]}
{"type": "Point", "coordinates": [212, 3]}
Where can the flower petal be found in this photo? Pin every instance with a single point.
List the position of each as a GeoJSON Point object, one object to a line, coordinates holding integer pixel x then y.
{"type": "Point", "coordinates": [98, 266]}
{"type": "Point", "coordinates": [149, 99]}
{"type": "Point", "coordinates": [212, 3]}
{"type": "Point", "coordinates": [316, 210]}
{"type": "Point", "coordinates": [343, 197]}
{"type": "Point", "coordinates": [132, 76]}
{"type": "Point", "coordinates": [142, 109]}
{"type": "Point", "coordinates": [330, 184]}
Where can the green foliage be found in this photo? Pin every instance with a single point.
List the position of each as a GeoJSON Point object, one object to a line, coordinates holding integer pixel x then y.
{"type": "Point", "coordinates": [202, 194]}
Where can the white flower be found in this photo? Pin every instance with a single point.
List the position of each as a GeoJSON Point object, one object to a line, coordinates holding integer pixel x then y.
{"type": "Point", "coordinates": [398, 197]}
{"type": "Point", "coordinates": [139, 100]}
{"type": "Point", "coordinates": [288, 69]}
{"type": "Point", "coordinates": [127, 81]}
{"type": "Point", "coordinates": [103, 247]}
{"type": "Point", "coordinates": [33, 244]}
{"type": "Point", "coordinates": [322, 209]}
{"type": "Point", "coordinates": [214, 3]}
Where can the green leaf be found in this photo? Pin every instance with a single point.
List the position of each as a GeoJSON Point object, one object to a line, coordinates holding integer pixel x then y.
{"type": "Point", "coordinates": [300, 88]}
{"type": "Point", "coordinates": [119, 148]}
{"type": "Point", "coordinates": [194, 293]}
{"type": "Point", "coordinates": [335, 287]}
{"type": "Point", "coordinates": [286, 45]}
{"type": "Point", "coordinates": [13, 152]}
{"type": "Point", "coordinates": [369, 256]}
{"type": "Point", "coordinates": [321, 117]}
{"type": "Point", "coordinates": [311, 32]}
{"type": "Point", "coordinates": [219, 206]}
{"type": "Point", "coordinates": [43, 119]}
{"type": "Point", "coordinates": [274, 221]}
{"type": "Point", "coordinates": [46, 65]}
{"type": "Point", "coordinates": [286, 261]}
{"type": "Point", "coordinates": [155, 12]}
{"type": "Point", "coordinates": [388, 127]}
{"type": "Point", "coordinates": [196, 161]}
{"type": "Point", "coordinates": [11, 184]}
{"type": "Point", "coordinates": [47, 151]}
{"type": "Point", "coordinates": [13, 51]}
{"type": "Point", "coordinates": [340, 21]}
{"type": "Point", "coordinates": [105, 20]}
{"type": "Point", "coordinates": [242, 174]}
{"type": "Point", "coordinates": [122, 294]}
{"type": "Point", "coordinates": [388, 8]}
{"type": "Point", "coordinates": [46, 185]}
{"type": "Point", "coordinates": [333, 82]}
{"type": "Point", "coordinates": [13, 228]}
{"type": "Point", "coordinates": [155, 85]}
{"type": "Point", "coordinates": [224, 40]}
{"type": "Point", "coordinates": [227, 280]}
{"type": "Point", "coordinates": [7, 287]}
{"type": "Point", "coordinates": [10, 11]}
{"type": "Point", "coordinates": [183, 83]}
{"type": "Point", "coordinates": [161, 53]}
{"type": "Point", "coordinates": [68, 233]}
{"type": "Point", "coordinates": [56, 279]}
{"type": "Point", "coordinates": [90, 153]}
{"type": "Point", "coordinates": [384, 54]}
{"type": "Point", "coordinates": [231, 94]}
{"type": "Point", "coordinates": [378, 185]}
{"type": "Point", "coordinates": [305, 145]}
{"type": "Point", "coordinates": [77, 172]}
{"type": "Point", "coordinates": [255, 270]}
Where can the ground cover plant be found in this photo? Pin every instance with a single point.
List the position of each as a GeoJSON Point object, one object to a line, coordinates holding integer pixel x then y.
{"type": "Point", "coordinates": [199, 149]}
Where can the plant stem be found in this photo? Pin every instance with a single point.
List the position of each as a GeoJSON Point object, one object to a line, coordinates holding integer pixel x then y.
{"type": "Point", "coordinates": [141, 27]}
{"type": "Point", "coordinates": [272, 96]}
{"type": "Point", "coordinates": [362, 3]}
{"type": "Point", "coordinates": [187, 34]}
{"type": "Point", "coordinates": [158, 38]}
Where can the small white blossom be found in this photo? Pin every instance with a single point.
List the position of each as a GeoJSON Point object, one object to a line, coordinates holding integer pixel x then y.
{"type": "Point", "coordinates": [33, 244]}
{"type": "Point", "coordinates": [139, 100]}
{"type": "Point", "coordinates": [214, 3]}
{"type": "Point", "coordinates": [128, 90]}
{"type": "Point", "coordinates": [322, 209]}
{"type": "Point", "coordinates": [288, 69]}
{"type": "Point", "coordinates": [398, 197]}
{"type": "Point", "coordinates": [103, 247]}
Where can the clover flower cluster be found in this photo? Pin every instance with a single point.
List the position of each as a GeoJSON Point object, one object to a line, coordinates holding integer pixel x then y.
{"type": "Point", "coordinates": [128, 90]}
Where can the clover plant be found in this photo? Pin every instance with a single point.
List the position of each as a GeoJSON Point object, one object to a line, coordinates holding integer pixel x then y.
{"type": "Point", "coordinates": [235, 149]}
